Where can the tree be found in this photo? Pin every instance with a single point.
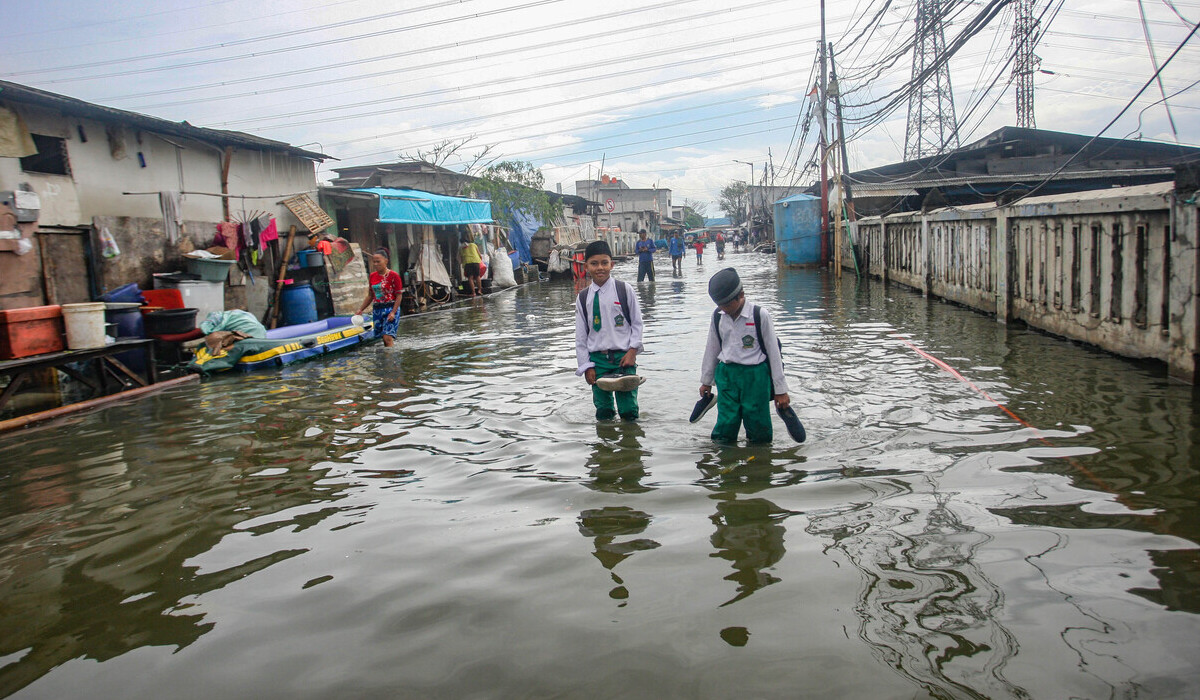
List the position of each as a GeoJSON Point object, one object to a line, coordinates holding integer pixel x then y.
{"type": "Point", "coordinates": [692, 218]}
{"type": "Point", "coordinates": [440, 153]}
{"type": "Point", "coordinates": [693, 212]}
{"type": "Point", "coordinates": [515, 185]}
{"type": "Point", "coordinates": [733, 198]}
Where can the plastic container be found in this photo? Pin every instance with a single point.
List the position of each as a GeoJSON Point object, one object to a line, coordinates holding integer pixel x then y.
{"type": "Point", "coordinates": [33, 331]}
{"type": "Point", "coordinates": [311, 258]}
{"type": "Point", "coordinates": [208, 269]}
{"type": "Point", "coordinates": [298, 304]}
{"type": "Point", "coordinates": [163, 298]}
{"type": "Point", "coordinates": [130, 293]}
{"type": "Point", "coordinates": [85, 325]}
{"type": "Point", "coordinates": [128, 318]}
{"type": "Point", "coordinates": [169, 322]}
{"type": "Point", "coordinates": [129, 324]}
{"type": "Point", "coordinates": [201, 295]}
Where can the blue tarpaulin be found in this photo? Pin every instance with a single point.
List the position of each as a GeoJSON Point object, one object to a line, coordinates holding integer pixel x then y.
{"type": "Point", "coordinates": [417, 207]}
{"type": "Point", "coordinates": [523, 227]}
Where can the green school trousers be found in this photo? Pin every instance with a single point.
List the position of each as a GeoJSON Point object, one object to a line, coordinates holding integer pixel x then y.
{"type": "Point", "coordinates": [744, 395]}
{"type": "Point", "coordinates": [627, 404]}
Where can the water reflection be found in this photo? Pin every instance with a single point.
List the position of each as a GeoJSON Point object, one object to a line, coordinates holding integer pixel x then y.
{"type": "Point", "coordinates": [100, 543]}
{"type": "Point", "coordinates": [605, 526]}
{"type": "Point", "coordinates": [749, 535]}
{"type": "Point", "coordinates": [925, 604]}
{"type": "Point", "coordinates": [617, 461]}
{"type": "Point", "coordinates": [420, 520]}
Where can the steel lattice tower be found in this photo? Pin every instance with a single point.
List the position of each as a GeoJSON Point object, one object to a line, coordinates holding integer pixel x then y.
{"type": "Point", "coordinates": [932, 128]}
{"type": "Point", "coordinates": [1025, 63]}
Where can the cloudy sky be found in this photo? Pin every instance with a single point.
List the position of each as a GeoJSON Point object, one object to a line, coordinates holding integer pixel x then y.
{"type": "Point", "coordinates": [670, 93]}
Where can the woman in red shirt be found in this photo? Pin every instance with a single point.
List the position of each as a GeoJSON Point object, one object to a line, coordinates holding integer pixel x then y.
{"type": "Point", "coordinates": [384, 292]}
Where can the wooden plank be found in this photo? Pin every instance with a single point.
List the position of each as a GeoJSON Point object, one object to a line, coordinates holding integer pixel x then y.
{"type": "Point", "coordinates": [23, 421]}
{"type": "Point", "coordinates": [114, 362]}
{"type": "Point", "coordinates": [306, 210]}
{"type": "Point", "coordinates": [13, 384]}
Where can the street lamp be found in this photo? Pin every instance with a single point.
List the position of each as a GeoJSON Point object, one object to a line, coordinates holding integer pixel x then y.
{"type": "Point", "coordinates": [749, 185]}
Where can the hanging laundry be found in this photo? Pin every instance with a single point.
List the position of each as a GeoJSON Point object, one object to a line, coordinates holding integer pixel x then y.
{"type": "Point", "coordinates": [172, 220]}
{"type": "Point", "coordinates": [270, 233]}
{"type": "Point", "coordinates": [227, 236]}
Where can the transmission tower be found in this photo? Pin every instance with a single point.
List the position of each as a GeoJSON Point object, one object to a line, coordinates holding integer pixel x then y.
{"type": "Point", "coordinates": [932, 128]}
{"type": "Point", "coordinates": [1025, 63]}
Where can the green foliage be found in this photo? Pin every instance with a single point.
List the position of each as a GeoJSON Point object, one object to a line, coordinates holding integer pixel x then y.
{"type": "Point", "coordinates": [692, 219]}
{"type": "Point", "coordinates": [693, 212]}
{"type": "Point", "coordinates": [732, 200]}
{"type": "Point", "coordinates": [515, 185]}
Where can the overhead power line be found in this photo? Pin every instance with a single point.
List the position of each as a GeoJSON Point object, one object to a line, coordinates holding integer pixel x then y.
{"type": "Point", "coordinates": [301, 47]}
{"type": "Point", "coordinates": [608, 17]}
{"type": "Point", "coordinates": [239, 42]}
{"type": "Point", "coordinates": [505, 93]}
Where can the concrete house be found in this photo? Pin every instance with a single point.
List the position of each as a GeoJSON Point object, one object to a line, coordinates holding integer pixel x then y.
{"type": "Point", "coordinates": [624, 207]}
{"type": "Point", "coordinates": [77, 168]}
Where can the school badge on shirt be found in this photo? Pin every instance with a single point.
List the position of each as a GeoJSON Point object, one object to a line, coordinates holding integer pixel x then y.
{"type": "Point", "coordinates": [747, 341]}
{"type": "Point", "coordinates": [619, 320]}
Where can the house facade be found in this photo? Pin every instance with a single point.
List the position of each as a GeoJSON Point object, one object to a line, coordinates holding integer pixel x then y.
{"type": "Point", "coordinates": [626, 208]}
{"type": "Point", "coordinates": [92, 168]}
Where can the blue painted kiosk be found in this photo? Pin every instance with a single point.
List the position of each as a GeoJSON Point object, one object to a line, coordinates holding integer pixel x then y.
{"type": "Point", "coordinates": [798, 230]}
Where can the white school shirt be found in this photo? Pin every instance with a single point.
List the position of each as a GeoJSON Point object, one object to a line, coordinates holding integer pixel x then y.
{"type": "Point", "coordinates": [738, 344]}
{"type": "Point", "coordinates": [615, 333]}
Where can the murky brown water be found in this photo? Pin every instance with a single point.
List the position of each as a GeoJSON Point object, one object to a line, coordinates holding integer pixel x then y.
{"type": "Point", "coordinates": [447, 519]}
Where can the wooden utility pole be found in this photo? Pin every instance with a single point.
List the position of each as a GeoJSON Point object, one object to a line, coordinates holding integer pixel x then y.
{"type": "Point", "coordinates": [823, 96]}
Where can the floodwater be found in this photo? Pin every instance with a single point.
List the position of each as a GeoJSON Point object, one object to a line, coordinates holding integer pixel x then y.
{"type": "Point", "coordinates": [448, 520]}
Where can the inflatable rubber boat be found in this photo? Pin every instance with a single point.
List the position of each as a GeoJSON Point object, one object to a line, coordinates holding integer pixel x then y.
{"type": "Point", "coordinates": [284, 345]}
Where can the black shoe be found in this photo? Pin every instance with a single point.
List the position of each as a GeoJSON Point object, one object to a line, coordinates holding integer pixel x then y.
{"type": "Point", "coordinates": [794, 427]}
{"type": "Point", "coordinates": [706, 402]}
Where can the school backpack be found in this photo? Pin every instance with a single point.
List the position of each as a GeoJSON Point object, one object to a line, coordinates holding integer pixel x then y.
{"type": "Point", "coordinates": [622, 297]}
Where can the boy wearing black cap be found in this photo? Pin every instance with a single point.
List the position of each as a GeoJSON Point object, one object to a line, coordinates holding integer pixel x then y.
{"type": "Point", "coordinates": [743, 357]}
{"type": "Point", "coordinates": [608, 336]}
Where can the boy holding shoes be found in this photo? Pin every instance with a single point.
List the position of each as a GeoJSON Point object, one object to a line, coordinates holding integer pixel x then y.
{"type": "Point", "coordinates": [608, 337]}
{"type": "Point", "coordinates": [743, 358]}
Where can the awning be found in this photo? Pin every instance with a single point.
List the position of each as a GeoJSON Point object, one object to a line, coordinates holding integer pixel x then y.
{"type": "Point", "coordinates": [417, 207]}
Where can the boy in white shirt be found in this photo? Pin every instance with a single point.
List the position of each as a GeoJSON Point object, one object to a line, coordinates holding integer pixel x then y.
{"type": "Point", "coordinates": [743, 356]}
{"type": "Point", "coordinates": [608, 337]}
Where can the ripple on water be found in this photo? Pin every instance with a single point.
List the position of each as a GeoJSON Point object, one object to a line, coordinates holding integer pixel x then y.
{"type": "Point", "coordinates": [447, 518]}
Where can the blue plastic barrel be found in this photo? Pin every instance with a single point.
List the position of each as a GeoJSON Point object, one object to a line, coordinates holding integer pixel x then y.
{"type": "Point", "coordinates": [129, 293]}
{"type": "Point", "coordinates": [129, 325]}
{"type": "Point", "coordinates": [298, 304]}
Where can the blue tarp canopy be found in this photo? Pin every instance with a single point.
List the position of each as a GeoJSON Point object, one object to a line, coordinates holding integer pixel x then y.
{"type": "Point", "coordinates": [523, 227]}
{"type": "Point", "coordinates": [417, 207]}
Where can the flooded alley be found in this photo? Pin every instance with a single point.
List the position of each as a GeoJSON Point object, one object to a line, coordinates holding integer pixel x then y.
{"type": "Point", "coordinates": [980, 511]}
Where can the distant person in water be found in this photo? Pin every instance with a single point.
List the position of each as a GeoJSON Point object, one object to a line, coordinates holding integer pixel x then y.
{"type": "Point", "coordinates": [699, 246]}
{"type": "Point", "coordinates": [383, 296]}
{"type": "Point", "coordinates": [608, 337]}
{"type": "Point", "coordinates": [675, 248]}
{"type": "Point", "coordinates": [645, 249]}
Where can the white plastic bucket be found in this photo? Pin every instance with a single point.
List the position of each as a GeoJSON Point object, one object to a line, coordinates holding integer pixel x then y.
{"type": "Point", "coordinates": [85, 325]}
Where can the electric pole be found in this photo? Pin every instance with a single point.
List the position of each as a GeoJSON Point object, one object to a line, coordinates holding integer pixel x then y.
{"type": "Point", "coordinates": [1025, 63]}
{"type": "Point", "coordinates": [932, 127]}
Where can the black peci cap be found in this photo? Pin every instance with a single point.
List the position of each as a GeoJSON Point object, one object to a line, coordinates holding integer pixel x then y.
{"type": "Point", "coordinates": [724, 286]}
{"type": "Point", "coordinates": [596, 248]}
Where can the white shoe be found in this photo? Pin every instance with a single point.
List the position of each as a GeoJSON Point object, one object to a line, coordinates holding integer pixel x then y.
{"type": "Point", "coordinates": [623, 382]}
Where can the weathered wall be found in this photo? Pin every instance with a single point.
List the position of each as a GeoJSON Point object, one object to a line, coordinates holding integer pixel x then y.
{"type": "Point", "coordinates": [1114, 268]}
{"type": "Point", "coordinates": [104, 163]}
{"type": "Point", "coordinates": [145, 249]}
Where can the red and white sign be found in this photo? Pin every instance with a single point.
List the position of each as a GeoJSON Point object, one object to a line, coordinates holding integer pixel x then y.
{"type": "Point", "coordinates": [610, 205]}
